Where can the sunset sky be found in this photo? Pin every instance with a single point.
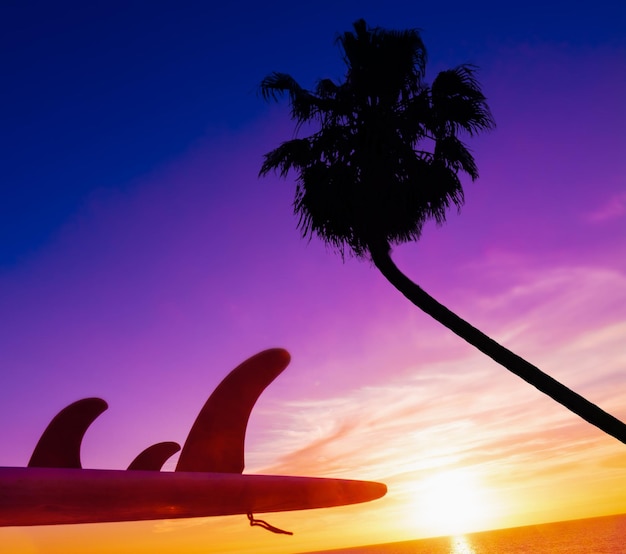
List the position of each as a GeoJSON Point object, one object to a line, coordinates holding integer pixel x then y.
{"type": "Point", "coordinates": [141, 259]}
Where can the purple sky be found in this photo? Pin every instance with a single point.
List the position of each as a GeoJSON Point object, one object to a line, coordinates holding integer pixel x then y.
{"type": "Point", "coordinates": [144, 259]}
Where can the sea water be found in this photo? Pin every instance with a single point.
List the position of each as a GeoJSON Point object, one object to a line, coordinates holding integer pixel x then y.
{"type": "Point", "coordinates": [600, 535]}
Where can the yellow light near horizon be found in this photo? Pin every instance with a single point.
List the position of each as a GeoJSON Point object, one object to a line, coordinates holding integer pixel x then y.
{"type": "Point", "coordinates": [452, 502]}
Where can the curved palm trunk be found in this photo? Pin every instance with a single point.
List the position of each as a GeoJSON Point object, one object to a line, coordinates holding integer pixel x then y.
{"type": "Point", "coordinates": [517, 365]}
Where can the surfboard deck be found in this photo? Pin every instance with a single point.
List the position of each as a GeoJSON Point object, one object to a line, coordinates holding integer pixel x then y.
{"type": "Point", "coordinates": [53, 496]}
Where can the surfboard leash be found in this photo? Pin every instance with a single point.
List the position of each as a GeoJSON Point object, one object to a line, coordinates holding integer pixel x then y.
{"type": "Point", "coordinates": [266, 525]}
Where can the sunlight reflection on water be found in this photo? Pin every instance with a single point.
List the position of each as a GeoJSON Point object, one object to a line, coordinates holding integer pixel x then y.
{"type": "Point", "coordinates": [460, 545]}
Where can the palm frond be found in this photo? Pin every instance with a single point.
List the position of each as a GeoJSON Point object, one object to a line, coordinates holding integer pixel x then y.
{"type": "Point", "coordinates": [456, 156]}
{"type": "Point", "coordinates": [304, 104]}
{"type": "Point", "coordinates": [459, 103]}
{"type": "Point", "coordinates": [326, 89]}
{"type": "Point", "coordinates": [383, 66]}
{"type": "Point", "coordinates": [293, 154]}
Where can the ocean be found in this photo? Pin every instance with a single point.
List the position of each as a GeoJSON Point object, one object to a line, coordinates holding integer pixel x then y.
{"type": "Point", "coordinates": [600, 535]}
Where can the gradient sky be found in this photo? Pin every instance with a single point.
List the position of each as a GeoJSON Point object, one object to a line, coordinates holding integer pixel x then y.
{"type": "Point", "coordinates": [141, 259]}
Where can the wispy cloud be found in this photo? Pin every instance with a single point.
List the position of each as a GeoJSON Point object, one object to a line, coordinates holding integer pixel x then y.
{"type": "Point", "coordinates": [467, 411]}
{"type": "Point", "coordinates": [613, 208]}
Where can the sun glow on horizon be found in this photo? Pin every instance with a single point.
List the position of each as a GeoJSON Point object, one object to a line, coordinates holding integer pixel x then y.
{"type": "Point", "coordinates": [453, 502]}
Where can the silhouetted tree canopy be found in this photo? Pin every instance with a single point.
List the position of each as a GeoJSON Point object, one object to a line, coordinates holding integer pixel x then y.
{"type": "Point", "coordinates": [388, 149]}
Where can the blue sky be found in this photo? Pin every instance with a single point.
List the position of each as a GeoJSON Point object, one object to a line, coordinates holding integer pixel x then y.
{"type": "Point", "coordinates": [96, 95]}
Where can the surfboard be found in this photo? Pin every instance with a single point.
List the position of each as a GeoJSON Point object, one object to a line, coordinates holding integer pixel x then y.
{"type": "Point", "coordinates": [53, 496]}
{"type": "Point", "coordinates": [208, 480]}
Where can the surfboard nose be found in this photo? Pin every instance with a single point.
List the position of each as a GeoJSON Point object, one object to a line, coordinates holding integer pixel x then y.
{"type": "Point", "coordinates": [355, 492]}
{"type": "Point", "coordinates": [278, 493]}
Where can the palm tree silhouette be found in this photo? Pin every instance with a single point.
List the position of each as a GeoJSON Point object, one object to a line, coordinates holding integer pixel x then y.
{"type": "Point", "coordinates": [384, 157]}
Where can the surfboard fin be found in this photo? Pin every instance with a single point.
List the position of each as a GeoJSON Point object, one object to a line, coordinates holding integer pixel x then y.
{"type": "Point", "coordinates": [153, 457]}
{"type": "Point", "coordinates": [59, 445]}
{"type": "Point", "coordinates": [216, 440]}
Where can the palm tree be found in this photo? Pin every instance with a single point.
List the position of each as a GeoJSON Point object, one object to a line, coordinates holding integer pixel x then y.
{"type": "Point", "coordinates": [384, 158]}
